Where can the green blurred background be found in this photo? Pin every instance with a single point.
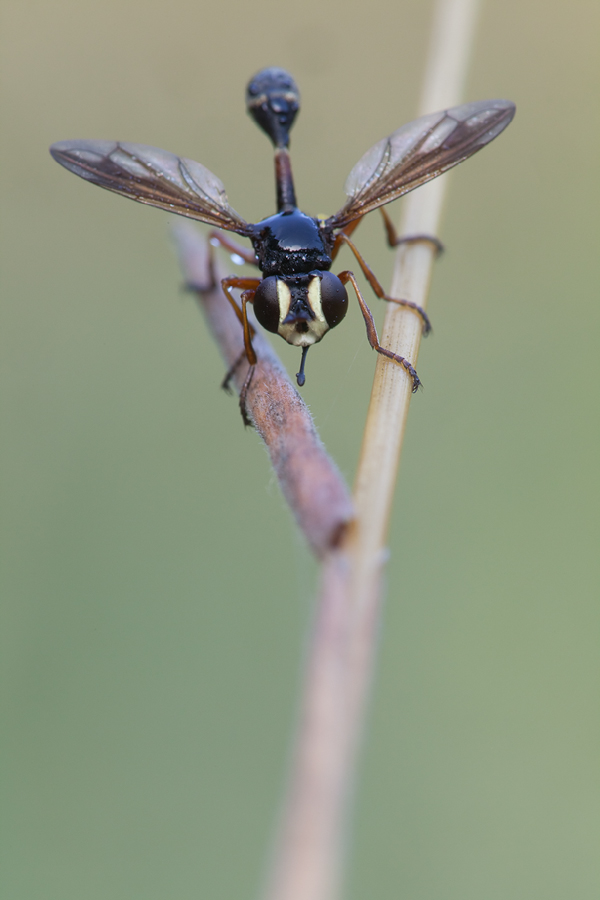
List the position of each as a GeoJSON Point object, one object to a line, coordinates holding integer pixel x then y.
{"type": "Point", "coordinates": [156, 596]}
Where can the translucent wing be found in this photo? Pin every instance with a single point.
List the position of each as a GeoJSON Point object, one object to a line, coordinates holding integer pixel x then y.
{"type": "Point", "coordinates": [418, 152]}
{"type": "Point", "coordinates": [152, 176]}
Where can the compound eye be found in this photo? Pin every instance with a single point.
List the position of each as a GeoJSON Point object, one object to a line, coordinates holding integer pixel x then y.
{"type": "Point", "coordinates": [334, 299]}
{"type": "Point", "coordinates": [266, 303]}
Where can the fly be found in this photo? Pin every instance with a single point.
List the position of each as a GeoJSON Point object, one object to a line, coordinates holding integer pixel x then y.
{"type": "Point", "coordinates": [298, 297]}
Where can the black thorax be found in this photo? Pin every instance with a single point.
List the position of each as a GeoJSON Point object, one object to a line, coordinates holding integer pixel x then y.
{"type": "Point", "coordinates": [291, 243]}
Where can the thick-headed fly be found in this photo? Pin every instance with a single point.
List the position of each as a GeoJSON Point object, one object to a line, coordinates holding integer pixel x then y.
{"type": "Point", "coordinates": [297, 297]}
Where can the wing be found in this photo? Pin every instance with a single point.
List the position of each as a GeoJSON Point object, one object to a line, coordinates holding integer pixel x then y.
{"type": "Point", "coordinates": [152, 176]}
{"type": "Point", "coordinates": [418, 152]}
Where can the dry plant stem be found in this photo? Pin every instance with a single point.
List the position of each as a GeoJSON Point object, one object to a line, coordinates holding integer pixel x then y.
{"type": "Point", "coordinates": [308, 858]}
{"type": "Point", "coordinates": [309, 479]}
{"type": "Point", "coordinates": [452, 34]}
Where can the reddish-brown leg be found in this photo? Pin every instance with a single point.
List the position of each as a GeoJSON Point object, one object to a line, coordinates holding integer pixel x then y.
{"type": "Point", "coordinates": [346, 277]}
{"type": "Point", "coordinates": [248, 285]}
{"type": "Point", "coordinates": [369, 275]}
{"type": "Point", "coordinates": [346, 232]}
{"type": "Point", "coordinates": [244, 284]}
{"type": "Point", "coordinates": [243, 394]}
{"type": "Point", "coordinates": [393, 239]}
{"type": "Point", "coordinates": [248, 297]}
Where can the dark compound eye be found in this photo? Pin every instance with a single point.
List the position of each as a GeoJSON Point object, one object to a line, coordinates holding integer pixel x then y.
{"type": "Point", "coordinates": [334, 299]}
{"type": "Point", "coordinates": [266, 304]}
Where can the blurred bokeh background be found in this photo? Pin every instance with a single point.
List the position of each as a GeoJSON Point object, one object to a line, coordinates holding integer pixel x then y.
{"type": "Point", "coordinates": [155, 594]}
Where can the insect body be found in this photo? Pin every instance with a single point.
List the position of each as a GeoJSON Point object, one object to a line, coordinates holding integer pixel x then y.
{"type": "Point", "coordinates": [298, 297]}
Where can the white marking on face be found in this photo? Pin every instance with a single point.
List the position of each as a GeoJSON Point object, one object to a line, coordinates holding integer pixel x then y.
{"type": "Point", "coordinates": [315, 328]}
{"type": "Point", "coordinates": [314, 298]}
{"type": "Point", "coordinates": [284, 295]}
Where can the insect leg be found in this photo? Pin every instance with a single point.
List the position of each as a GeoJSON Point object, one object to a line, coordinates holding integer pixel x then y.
{"type": "Point", "coordinates": [244, 284]}
{"type": "Point", "coordinates": [369, 275]}
{"type": "Point", "coordinates": [243, 394]}
{"type": "Point", "coordinates": [346, 277]}
{"type": "Point", "coordinates": [393, 239]}
{"type": "Point", "coordinates": [249, 285]}
{"type": "Point", "coordinates": [347, 231]}
{"type": "Point", "coordinates": [247, 297]}
{"type": "Point", "coordinates": [230, 245]}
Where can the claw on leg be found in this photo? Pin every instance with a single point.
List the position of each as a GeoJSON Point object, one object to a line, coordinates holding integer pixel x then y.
{"type": "Point", "coordinates": [405, 365]}
{"type": "Point", "coordinates": [418, 309]}
{"type": "Point", "coordinates": [373, 339]}
{"type": "Point", "coordinates": [370, 276]}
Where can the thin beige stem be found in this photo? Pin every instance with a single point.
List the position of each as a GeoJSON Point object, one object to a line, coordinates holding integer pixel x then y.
{"type": "Point", "coordinates": [308, 858]}
{"type": "Point", "coordinates": [445, 76]}
{"type": "Point", "coordinates": [453, 29]}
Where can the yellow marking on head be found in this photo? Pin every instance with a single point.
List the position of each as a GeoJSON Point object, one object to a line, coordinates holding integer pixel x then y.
{"type": "Point", "coordinates": [315, 328]}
